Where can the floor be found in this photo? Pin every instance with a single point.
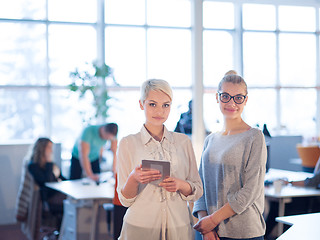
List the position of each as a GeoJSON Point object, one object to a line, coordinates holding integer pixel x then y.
{"type": "Point", "coordinates": [11, 232]}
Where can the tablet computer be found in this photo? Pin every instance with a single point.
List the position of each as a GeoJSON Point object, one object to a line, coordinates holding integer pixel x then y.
{"type": "Point", "coordinates": [160, 165]}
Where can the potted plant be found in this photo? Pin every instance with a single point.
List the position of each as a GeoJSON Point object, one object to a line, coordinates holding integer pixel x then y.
{"type": "Point", "coordinates": [93, 80]}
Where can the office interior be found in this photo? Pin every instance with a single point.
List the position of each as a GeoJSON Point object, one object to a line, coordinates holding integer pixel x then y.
{"type": "Point", "coordinates": [274, 45]}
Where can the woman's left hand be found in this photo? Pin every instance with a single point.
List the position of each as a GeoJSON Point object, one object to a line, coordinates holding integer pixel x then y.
{"type": "Point", "coordinates": [171, 184]}
{"type": "Point", "coordinates": [205, 225]}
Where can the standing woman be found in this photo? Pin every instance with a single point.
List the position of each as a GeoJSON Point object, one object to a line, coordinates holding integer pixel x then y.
{"type": "Point", "coordinates": [232, 170]}
{"type": "Point", "coordinates": [157, 211]}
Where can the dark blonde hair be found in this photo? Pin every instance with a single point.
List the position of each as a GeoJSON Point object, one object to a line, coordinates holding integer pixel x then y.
{"type": "Point", "coordinates": [38, 151]}
{"type": "Point", "coordinates": [232, 77]}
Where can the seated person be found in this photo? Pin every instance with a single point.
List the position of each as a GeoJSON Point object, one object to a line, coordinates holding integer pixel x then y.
{"type": "Point", "coordinates": [44, 170]}
{"type": "Point", "coordinates": [309, 182]}
{"type": "Point", "coordinates": [300, 205]}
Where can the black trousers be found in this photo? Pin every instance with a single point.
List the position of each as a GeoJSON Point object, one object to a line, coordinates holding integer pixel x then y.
{"type": "Point", "coordinates": [76, 169]}
{"type": "Point", "coordinates": [118, 214]}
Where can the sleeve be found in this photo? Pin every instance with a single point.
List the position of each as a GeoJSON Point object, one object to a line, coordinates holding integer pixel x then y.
{"type": "Point", "coordinates": [41, 177]}
{"type": "Point", "coordinates": [85, 135]}
{"type": "Point", "coordinates": [200, 204]}
{"type": "Point", "coordinates": [193, 177]}
{"type": "Point", "coordinates": [124, 168]}
{"type": "Point", "coordinates": [253, 177]}
{"type": "Point", "coordinates": [313, 181]}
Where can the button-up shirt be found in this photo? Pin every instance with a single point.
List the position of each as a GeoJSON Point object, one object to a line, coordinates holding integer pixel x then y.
{"type": "Point", "coordinates": [156, 213]}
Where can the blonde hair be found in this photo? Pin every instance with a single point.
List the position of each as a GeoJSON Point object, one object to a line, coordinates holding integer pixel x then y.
{"type": "Point", "coordinates": [155, 85]}
{"type": "Point", "coordinates": [232, 77]}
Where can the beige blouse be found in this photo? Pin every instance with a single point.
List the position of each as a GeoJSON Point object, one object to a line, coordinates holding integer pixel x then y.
{"type": "Point", "coordinates": [156, 213]}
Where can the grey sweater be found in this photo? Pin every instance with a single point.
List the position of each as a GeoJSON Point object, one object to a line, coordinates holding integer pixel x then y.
{"type": "Point", "coordinates": [232, 170]}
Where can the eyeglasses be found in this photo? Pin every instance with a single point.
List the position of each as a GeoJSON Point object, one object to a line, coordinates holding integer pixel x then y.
{"type": "Point", "coordinates": [226, 97]}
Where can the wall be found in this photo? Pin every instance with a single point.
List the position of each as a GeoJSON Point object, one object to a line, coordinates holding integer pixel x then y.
{"type": "Point", "coordinates": [11, 158]}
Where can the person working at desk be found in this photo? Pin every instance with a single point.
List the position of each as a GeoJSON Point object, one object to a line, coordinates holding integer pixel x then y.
{"type": "Point", "coordinates": [309, 182]}
{"type": "Point", "coordinates": [44, 170]}
{"type": "Point", "coordinates": [298, 205]}
{"type": "Point", "coordinates": [88, 149]}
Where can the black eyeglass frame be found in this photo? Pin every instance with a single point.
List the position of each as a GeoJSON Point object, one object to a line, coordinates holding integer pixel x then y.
{"type": "Point", "coordinates": [232, 97]}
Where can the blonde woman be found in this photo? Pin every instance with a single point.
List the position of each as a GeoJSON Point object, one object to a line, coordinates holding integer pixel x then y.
{"type": "Point", "coordinates": [157, 211]}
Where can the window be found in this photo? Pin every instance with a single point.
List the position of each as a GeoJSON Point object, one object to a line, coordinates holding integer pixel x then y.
{"type": "Point", "coordinates": [297, 18]}
{"type": "Point", "coordinates": [72, 10]}
{"type": "Point", "coordinates": [259, 54]}
{"type": "Point", "coordinates": [297, 59]}
{"type": "Point", "coordinates": [126, 53]}
{"type": "Point", "coordinates": [164, 13]}
{"type": "Point", "coordinates": [70, 47]}
{"type": "Point", "coordinates": [218, 56]}
{"type": "Point", "coordinates": [23, 113]}
{"type": "Point", "coordinates": [43, 47]}
{"type": "Point", "coordinates": [22, 53]}
{"type": "Point", "coordinates": [280, 63]}
{"type": "Point", "coordinates": [294, 102]}
{"type": "Point", "coordinates": [259, 17]}
{"type": "Point", "coordinates": [274, 46]}
{"type": "Point", "coordinates": [132, 14]}
{"type": "Point", "coordinates": [143, 44]}
{"type": "Point", "coordinates": [218, 15]}
{"type": "Point", "coordinates": [37, 53]}
{"type": "Point", "coordinates": [169, 56]}
{"type": "Point", "coordinates": [23, 9]}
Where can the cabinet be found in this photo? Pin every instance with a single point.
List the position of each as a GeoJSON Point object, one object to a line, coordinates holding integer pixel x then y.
{"type": "Point", "coordinates": [77, 217]}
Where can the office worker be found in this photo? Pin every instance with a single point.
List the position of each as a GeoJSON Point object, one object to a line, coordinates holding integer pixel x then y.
{"type": "Point", "coordinates": [87, 150]}
{"type": "Point", "coordinates": [157, 211]}
{"type": "Point", "coordinates": [43, 170]}
{"type": "Point", "coordinates": [232, 169]}
{"type": "Point", "coordinates": [313, 181]}
{"type": "Point", "coordinates": [184, 125]}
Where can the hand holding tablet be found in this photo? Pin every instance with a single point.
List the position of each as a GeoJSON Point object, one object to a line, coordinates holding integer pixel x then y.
{"type": "Point", "coordinates": [161, 165]}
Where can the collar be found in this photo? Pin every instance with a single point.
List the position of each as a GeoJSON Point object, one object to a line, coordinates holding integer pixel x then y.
{"type": "Point", "coordinates": [146, 137]}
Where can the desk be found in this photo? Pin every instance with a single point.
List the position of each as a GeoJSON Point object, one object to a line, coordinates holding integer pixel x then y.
{"type": "Point", "coordinates": [305, 226]}
{"type": "Point", "coordinates": [287, 192]}
{"type": "Point", "coordinates": [77, 190]}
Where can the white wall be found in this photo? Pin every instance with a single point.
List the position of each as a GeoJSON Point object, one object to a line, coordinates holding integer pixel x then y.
{"type": "Point", "coordinates": [11, 158]}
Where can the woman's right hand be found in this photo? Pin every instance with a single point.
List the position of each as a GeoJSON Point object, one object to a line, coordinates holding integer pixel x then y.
{"type": "Point", "coordinates": [145, 175]}
{"type": "Point", "coordinates": [211, 236]}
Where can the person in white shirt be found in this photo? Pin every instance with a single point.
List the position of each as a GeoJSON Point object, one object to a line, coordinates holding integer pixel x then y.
{"type": "Point", "coordinates": [157, 210]}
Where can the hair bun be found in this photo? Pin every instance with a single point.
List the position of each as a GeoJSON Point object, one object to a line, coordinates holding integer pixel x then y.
{"type": "Point", "coordinates": [231, 72]}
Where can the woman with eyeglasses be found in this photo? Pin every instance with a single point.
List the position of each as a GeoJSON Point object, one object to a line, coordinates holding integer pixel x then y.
{"type": "Point", "coordinates": [232, 170]}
